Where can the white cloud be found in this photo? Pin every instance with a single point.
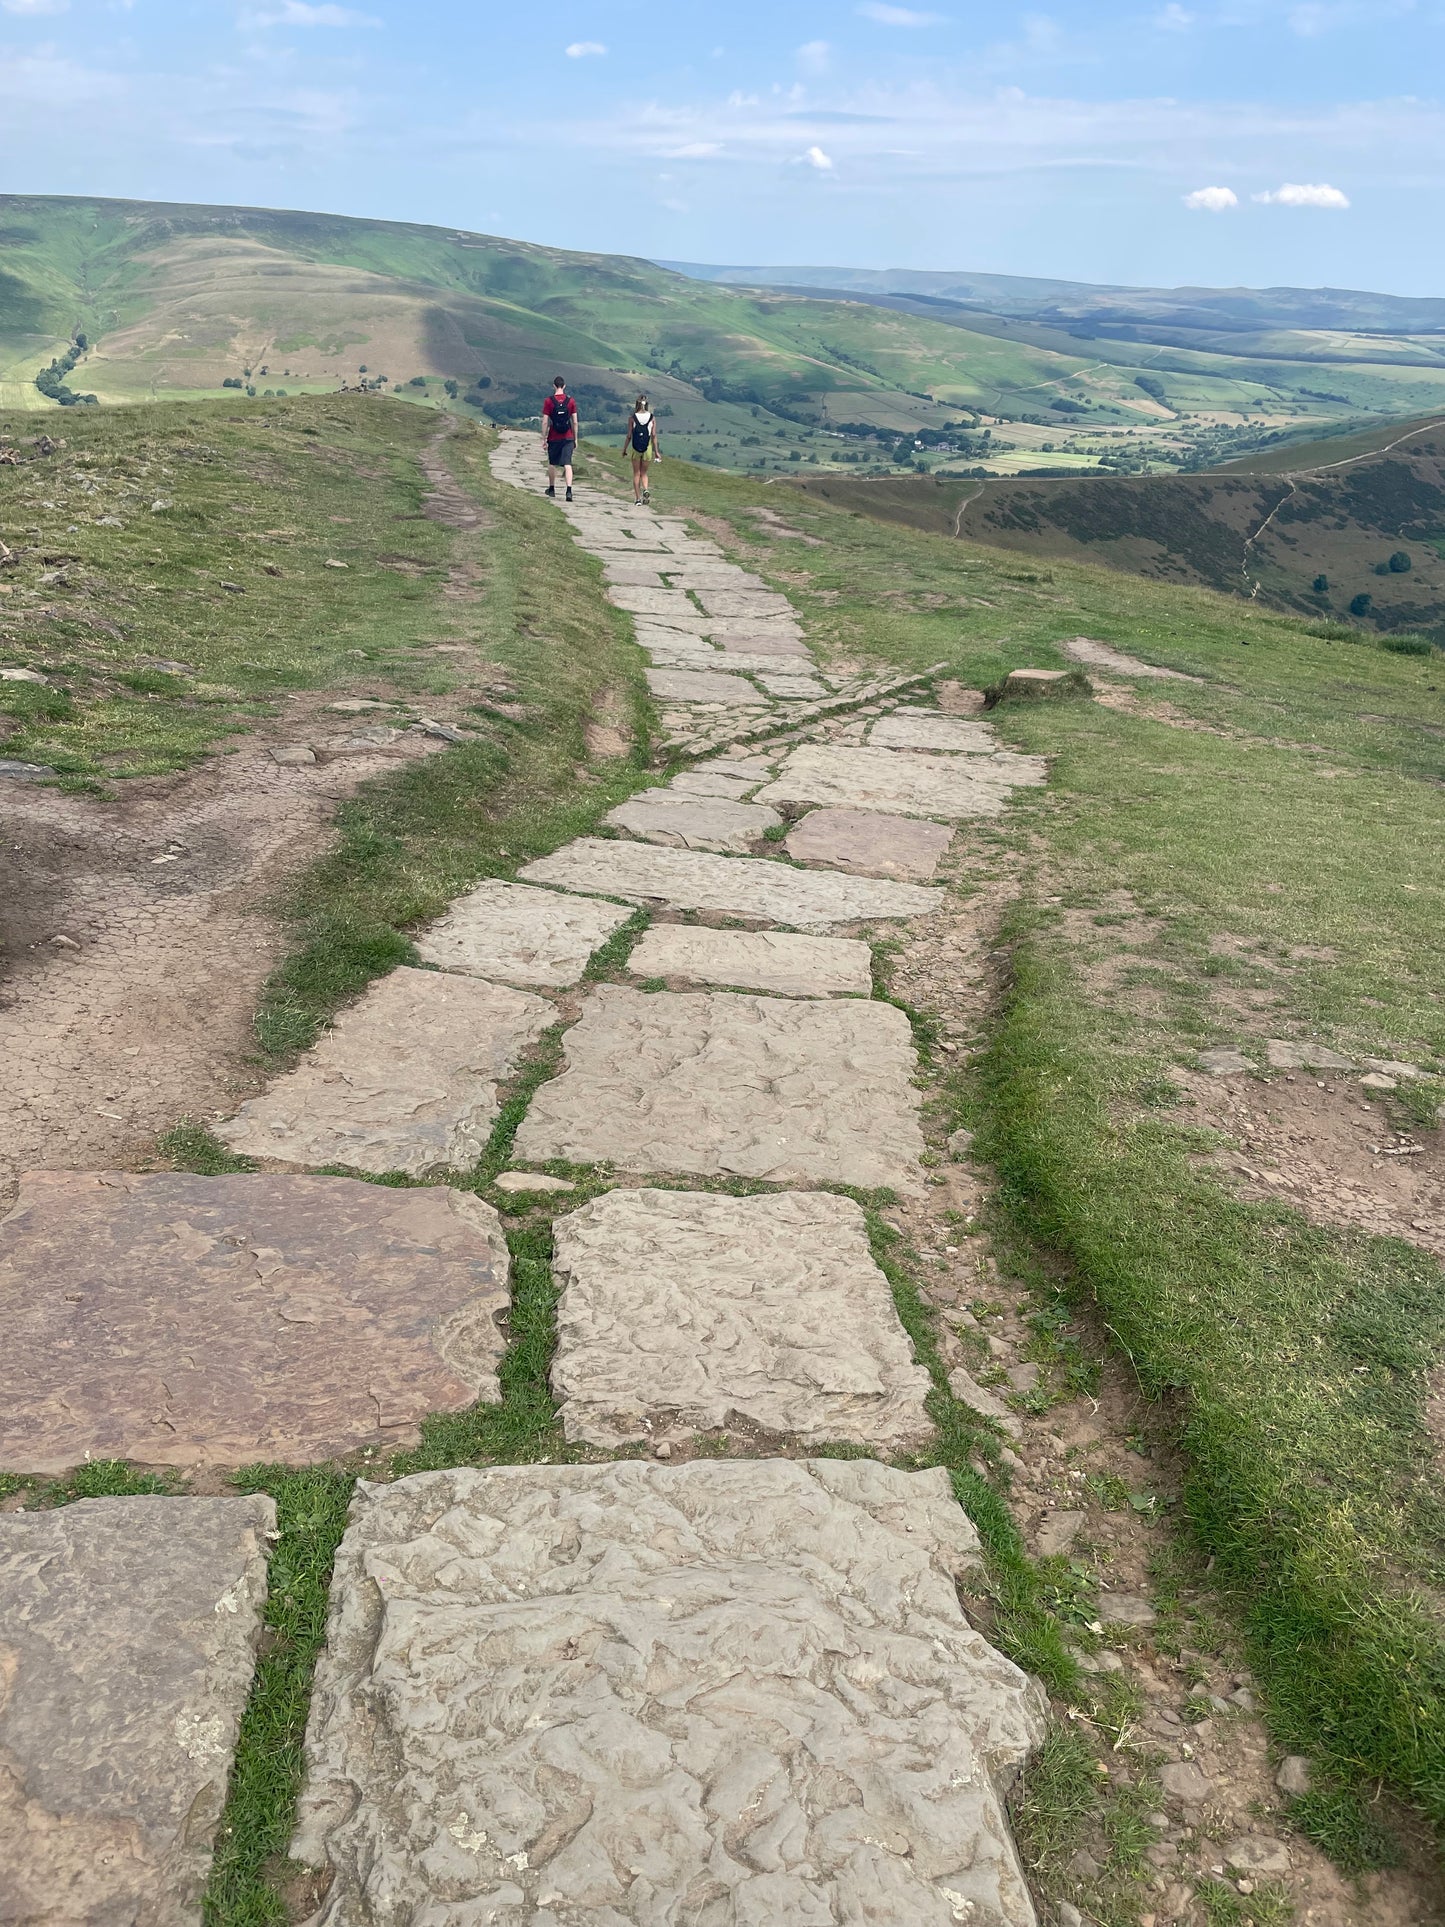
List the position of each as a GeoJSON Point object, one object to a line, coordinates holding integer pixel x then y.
{"type": "Point", "coordinates": [1174, 18]}
{"type": "Point", "coordinates": [296, 13]}
{"type": "Point", "coordinates": [1304, 194]}
{"type": "Point", "coordinates": [35, 6]}
{"type": "Point", "coordinates": [693, 151]}
{"type": "Point", "coordinates": [813, 56]}
{"type": "Point", "coordinates": [897, 16]}
{"type": "Point", "coordinates": [585, 49]}
{"type": "Point", "coordinates": [1212, 200]}
{"type": "Point", "coordinates": [815, 157]}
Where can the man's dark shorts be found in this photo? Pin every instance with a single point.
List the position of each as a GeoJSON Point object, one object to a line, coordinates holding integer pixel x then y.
{"type": "Point", "coordinates": [560, 453]}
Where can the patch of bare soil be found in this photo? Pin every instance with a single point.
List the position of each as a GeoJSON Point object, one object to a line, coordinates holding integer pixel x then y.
{"type": "Point", "coordinates": [609, 735]}
{"type": "Point", "coordinates": [1092, 1480]}
{"type": "Point", "coordinates": [1099, 655]}
{"type": "Point", "coordinates": [1320, 1144]}
{"type": "Point", "coordinates": [134, 940]}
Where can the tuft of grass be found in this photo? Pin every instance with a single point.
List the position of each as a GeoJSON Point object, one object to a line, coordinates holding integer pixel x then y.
{"type": "Point", "coordinates": [191, 1147]}
{"type": "Point", "coordinates": [1268, 1906]}
{"type": "Point", "coordinates": [1340, 1822]}
{"type": "Point", "coordinates": [256, 1826]}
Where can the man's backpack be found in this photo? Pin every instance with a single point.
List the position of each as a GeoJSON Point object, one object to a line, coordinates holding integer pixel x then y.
{"type": "Point", "coordinates": [563, 409]}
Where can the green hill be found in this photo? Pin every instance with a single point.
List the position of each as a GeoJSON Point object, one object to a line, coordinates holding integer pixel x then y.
{"type": "Point", "coordinates": [174, 301]}
{"type": "Point", "coordinates": [1365, 519]}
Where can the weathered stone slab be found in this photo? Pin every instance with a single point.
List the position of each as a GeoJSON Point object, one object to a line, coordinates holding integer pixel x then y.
{"type": "Point", "coordinates": [750, 643]}
{"type": "Point", "coordinates": [742, 886]}
{"type": "Point", "coordinates": [177, 1320]}
{"type": "Point", "coordinates": [932, 729]}
{"type": "Point", "coordinates": [902, 781]}
{"type": "Point", "coordinates": [744, 602]}
{"type": "Point", "coordinates": [775, 960]}
{"type": "Point", "coordinates": [753, 630]}
{"type": "Point", "coordinates": [731, 1085]}
{"type": "Point", "coordinates": [758, 768]}
{"type": "Point", "coordinates": [1285, 1056]}
{"type": "Point", "coordinates": [692, 822]}
{"type": "Point", "coordinates": [633, 575]}
{"type": "Point", "coordinates": [683, 1311]}
{"type": "Point", "coordinates": [870, 842]}
{"type": "Point", "coordinates": [128, 1629]}
{"type": "Point", "coordinates": [735, 1692]}
{"type": "Point", "coordinates": [653, 602]}
{"type": "Point", "coordinates": [791, 688]}
{"type": "Point", "coordinates": [704, 686]}
{"type": "Point", "coordinates": [506, 931]}
{"type": "Point", "coordinates": [711, 782]}
{"type": "Point", "coordinates": [406, 1080]}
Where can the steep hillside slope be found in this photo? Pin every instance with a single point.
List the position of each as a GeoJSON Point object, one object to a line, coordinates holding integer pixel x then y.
{"type": "Point", "coordinates": [1367, 522]}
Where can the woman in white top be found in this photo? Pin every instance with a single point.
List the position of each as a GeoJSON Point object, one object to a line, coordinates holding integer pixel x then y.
{"type": "Point", "coordinates": [641, 444]}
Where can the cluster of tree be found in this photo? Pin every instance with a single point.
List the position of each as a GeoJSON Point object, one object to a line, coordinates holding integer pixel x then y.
{"type": "Point", "coordinates": [1398, 564]}
{"type": "Point", "coordinates": [1065, 405]}
{"type": "Point", "coordinates": [51, 381]}
{"type": "Point", "coordinates": [1153, 387]}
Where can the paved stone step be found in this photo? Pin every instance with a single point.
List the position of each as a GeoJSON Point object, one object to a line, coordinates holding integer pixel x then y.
{"type": "Point", "coordinates": [870, 843]}
{"type": "Point", "coordinates": [709, 1694]}
{"type": "Point", "coordinates": [741, 886]}
{"type": "Point", "coordinates": [683, 1312]}
{"type": "Point", "coordinates": [774, 960]}
{"type": "Point", "coordinates": [902, 780]}
{"type": "Point", "coordinates": [933, 729]}
{"type": "Point", "coordinates": [704, 686]}
{"type": "Point", "coordinates": [128, 1635]}
{"type": "Point", "coordinates": [179, 1320]}
{"type": "Point", "coordinates": [729, 1085]}
{"type": "Point", "coordinates": [703, 740]}
{"type": "Point", "coordinates": [692, 822]}
{"type": "Point", "coordinates": [515, 935]}
{"type": "Point", "coordinates": [405, 1080]}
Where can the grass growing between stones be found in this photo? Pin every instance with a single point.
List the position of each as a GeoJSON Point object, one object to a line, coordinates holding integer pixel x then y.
{"type": "Point", "coordinates": [1250, 855]}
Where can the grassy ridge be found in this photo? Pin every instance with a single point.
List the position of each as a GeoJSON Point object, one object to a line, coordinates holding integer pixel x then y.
{"type": "Point", "coordinates": [1293, 808]}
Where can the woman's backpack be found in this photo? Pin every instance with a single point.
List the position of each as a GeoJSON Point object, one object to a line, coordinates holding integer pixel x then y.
{"type": "Point", "coordinates": [641, 433]}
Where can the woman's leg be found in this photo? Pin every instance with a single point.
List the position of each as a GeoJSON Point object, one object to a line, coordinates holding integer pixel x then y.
{"type": "Point", "coordinates": [637, 474]}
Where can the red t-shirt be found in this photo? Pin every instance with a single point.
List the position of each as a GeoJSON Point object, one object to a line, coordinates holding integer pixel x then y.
{"type": "Point", "coordinates": [561, 414]}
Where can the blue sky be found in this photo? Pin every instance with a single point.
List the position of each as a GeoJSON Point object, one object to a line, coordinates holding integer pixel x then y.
{"type": "Point", "coordinates": [1209, 141]}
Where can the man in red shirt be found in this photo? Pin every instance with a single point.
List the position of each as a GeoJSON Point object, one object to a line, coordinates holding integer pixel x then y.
{"type": "Point", "coordinates": [559, 434]}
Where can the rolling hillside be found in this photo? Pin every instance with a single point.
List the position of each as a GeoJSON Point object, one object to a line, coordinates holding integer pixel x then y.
{"type": "Point", "coordinates": [1365, 519]}
{"type": "Point", "coordinates": [175, 301]}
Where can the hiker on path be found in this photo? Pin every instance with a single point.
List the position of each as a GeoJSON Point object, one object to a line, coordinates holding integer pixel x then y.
{"type": "Point", "coordinates": [641, 444]}
{"type": "Point", "coordinates": [559, 434]}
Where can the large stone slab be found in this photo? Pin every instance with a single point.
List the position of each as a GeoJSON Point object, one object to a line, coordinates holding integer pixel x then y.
{"type": "Point", "coordinates": [653, 602]}
{"type": "Point", "coordinates": [406, 1080]}
{"type": "Point", "coordinates": [742, 886]}
{"type": "Point", "coordinates": [128, 1634]}
{"type": "Point", "coordinates": [734, 1086]}
{"type": "Point", "coordinates": [704, 686]}
{"type": "Point", "coordinates": [901, 780]}
{"type": "Point", "coordinates": [520, 936]}
{"type": "Point", "coordinates": [630, 1694]}
{"type": "Point", "coordinates": [932, 729]}
{"type": "Point", "coordinates": [693, 822]}
{"type": "Point", "coordinates": [744, 602]}
{"type": "Point", "coordinates": [177, 1320]}
{"type": "Point", "coordinates": [712, 782]}
{"type": "Point", "coordinates": [683, 1311]}
{"type": "Point", "coordinates": [787, 647]}
{"type": "Point", "coordinates": [775, 960]}
{"type": "Point", "coordinates": [870, 842]}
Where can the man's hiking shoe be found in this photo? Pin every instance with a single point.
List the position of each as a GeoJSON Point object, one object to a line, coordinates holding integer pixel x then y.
{"type": "Point", "coordinates": [551, 488]}
{"type": "Point", "coordinates": [569, 495]}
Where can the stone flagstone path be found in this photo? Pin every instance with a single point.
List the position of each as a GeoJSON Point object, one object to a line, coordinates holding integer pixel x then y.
{"type": "Point", "coordinates": [731, 1692]}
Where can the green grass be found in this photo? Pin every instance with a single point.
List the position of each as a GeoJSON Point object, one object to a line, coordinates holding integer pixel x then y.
{"type": "Point", "coordinates": [284, 487]}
